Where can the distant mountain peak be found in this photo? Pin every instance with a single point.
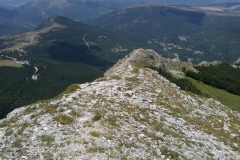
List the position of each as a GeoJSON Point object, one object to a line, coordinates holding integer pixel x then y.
{"type": "Point", "coordinates": [19, 41]}
{"type": "Point", "coordinates": [56, 20]}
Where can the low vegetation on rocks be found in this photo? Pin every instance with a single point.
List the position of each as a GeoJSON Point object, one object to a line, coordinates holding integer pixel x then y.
{"type": "Point", "coordinates": [140, 115]}
{"type": "Point", "coordinates": [64, 119]}
{"type": "Point", "coordinates": [183, 83]}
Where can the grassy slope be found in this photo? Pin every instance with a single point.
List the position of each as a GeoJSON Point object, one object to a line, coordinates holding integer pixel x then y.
{"type": "Point", "coordinates": [9, 64]}
{"type": "Point", "coordinates": [226, 98]}
{"type": "Point", "coordinates": [230, 100]}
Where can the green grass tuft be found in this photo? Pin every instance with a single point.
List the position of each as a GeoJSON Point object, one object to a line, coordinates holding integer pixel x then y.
{"type": "Point", "coordinates": [96, 149]}
{"type": "Point", "coordinates": [94, 133]}
{"type": "Point", "coordinates": [169, 154]}
{"type": "Point", "coordinates": [64, 119]}
{"type": "Point", "coordinates": [98, 115]}
{"type": "Point", "coordinates": [47, 138]}
{"type": "Point", "coordinates": [17, 143]}
{"type": "Point", "coordinates": [23, 127]}
{"type": "Point", "coordinates": [3, 123]}
{"type": "Point", "coordinates": [69, 89]}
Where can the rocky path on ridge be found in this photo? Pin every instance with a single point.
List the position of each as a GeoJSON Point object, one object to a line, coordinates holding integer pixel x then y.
{"type": "Point", "coordinates": [132, 112]}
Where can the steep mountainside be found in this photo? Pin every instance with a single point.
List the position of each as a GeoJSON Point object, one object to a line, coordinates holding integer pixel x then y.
{"type": "Point", "coordinates": [7, 13]}
{"type": "Point", "coordinates": [192, 33]}
{"type": "Point", "coordinates": [12, 3]}
{"type": "Point", "coordinates": [131, 112]}
{"type": "Point", "coordinates": [35, 12]}
{"type": "Point", "coordinates": [152, 20]}
{"type": "Point", "coordinates": [31, 14]}
{"type": "Point", "coordinates": [59, 53]}
{"type": "Point", "coordinates": [6, 22]}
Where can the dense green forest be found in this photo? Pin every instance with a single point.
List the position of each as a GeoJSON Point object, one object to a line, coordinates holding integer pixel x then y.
{"type": "Point", "coordinates": [183, 83]}
{"type": "Point", "coordinates": [221, 76]}
{"type": "Point", "coordinates": [62, 58]}
{"type": "Point", "coordinates": [18, 88]}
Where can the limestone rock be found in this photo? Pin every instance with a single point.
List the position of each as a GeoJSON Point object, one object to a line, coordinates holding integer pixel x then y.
{"type": "Point", "coordinates": [130, 113]}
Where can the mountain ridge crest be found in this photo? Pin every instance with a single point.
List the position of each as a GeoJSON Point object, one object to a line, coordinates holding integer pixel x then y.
{"type": "Point", "coordinates": [130, 113]}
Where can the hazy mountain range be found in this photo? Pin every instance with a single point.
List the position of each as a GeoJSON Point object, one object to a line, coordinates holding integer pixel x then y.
{"type": "Point", "coordinates": [31, 14]}
{"type": "Point", "coordinates": [17, 3]}
{"type": "Point", "coordinates": [10, 4]}
{"type": "Point", "coordinates": [191, 33]}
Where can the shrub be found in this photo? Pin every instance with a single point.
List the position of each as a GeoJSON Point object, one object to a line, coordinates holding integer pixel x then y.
{"type": "Point", "coordinates": [221, 76]}
{"type": "Point", "coordinates": [74, 113]}
{"type": "Point", "coordinates": [112, 120]}
{"type": "Point", "coordinates": [169, 154]}
{"type": "Point", "coordinates": [92, 149]}
{"type": "Point", "coordinates": [98, 115]}
{"type": "Point", "coordinates": [94, 133]}
{"type": "Point", "coordinates": [23, 127]}
{"type": "Point", "coordinates": [96, 149]}
{"type": "Point", "coordinates": [9, 132]}
{"type": "Point", "coordinates": [3, 124]}
{"type": "Point", "coordinates": [29, 110]}
{"type": "Point", "coordinates": [17, 143]}
{"type": "Point", "coordinates": [69, 89]}
{"type": "Point", "coordinates": [47, 138]}
{"type": "Point", "coordinates": [135, 70]}
{"type": "Point", "coordinates": [116, 77]}
{"type": "Point", "coordinates": [183, 83]}
{"type": "Point", "coordinates": [64, 119]}
{"type": "Point", "coordinates": [51, 109]}
{"type": "Point", "coordinates": [132, 79]}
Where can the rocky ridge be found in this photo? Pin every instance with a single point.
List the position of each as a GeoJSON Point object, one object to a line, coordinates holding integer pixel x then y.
{"type": "Point", "coordinates": [132, 112]}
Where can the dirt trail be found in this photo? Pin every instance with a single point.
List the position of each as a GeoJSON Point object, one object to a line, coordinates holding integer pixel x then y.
{"type": "Point", "coordinates": [19, 41]}
{"type": "Point", "coordinates": [35, 76]}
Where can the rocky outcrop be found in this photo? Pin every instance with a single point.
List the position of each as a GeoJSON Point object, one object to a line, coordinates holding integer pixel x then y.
{"type": "Point", "coordinates": [207, 64]}
{"type": "Point", "coordinates": [130, 113]}
{"type": "Point", "coordinates": [141, 58]}
{"type": "Point", "coordinates": [236, 64]}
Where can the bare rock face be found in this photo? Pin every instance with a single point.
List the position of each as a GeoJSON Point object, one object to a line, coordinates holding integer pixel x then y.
{"type": "Point", "coordinates": [237, 63]}
{"type": "Point", "coordinates": [130, 113]}
{"type": "Point", "coordinates": [214, 63]}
